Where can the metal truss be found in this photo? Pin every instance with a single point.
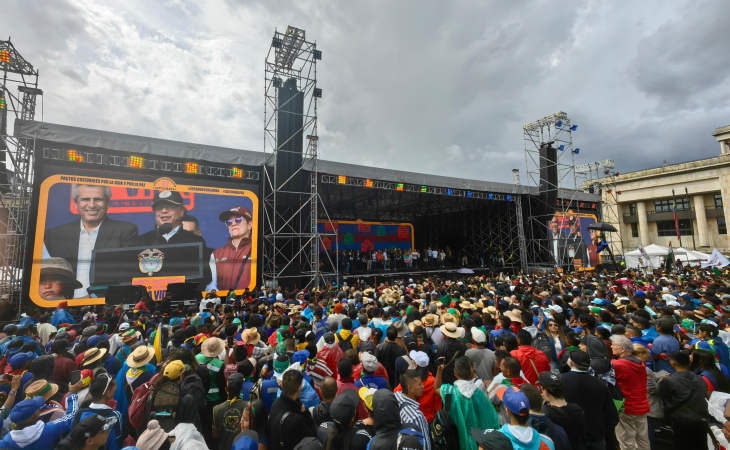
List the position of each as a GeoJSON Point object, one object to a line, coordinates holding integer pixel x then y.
{"type": "Point", "coordinates": [293, 247]}
{"type": "Point", "coordinates": [495, 227]}
{"type": "Point", "coordinates": [601, 181]}
{"type": "Point", "coordinates": [106, 159]}
{"type": "Point", "coordinates": [16, 167]}
{"type": "Point", "coordinates": [556, 129]}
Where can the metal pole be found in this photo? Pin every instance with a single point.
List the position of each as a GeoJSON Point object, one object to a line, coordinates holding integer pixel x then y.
{"type": "Point", "coordinates": [676, 223]}
{"type": "Point", "coordinates": [691, 225]}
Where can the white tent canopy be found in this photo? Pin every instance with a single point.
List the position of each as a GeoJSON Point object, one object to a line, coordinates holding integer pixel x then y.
{"type": "Point", "coordinates": [657, 255]}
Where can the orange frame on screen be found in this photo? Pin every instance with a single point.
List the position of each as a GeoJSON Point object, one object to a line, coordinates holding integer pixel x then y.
{"type": "Point", "coordinates": [159, 184]}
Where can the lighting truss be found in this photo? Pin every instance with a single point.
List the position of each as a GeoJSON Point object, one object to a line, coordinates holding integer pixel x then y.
{"type": "Point", "coordinates": [16, 174]}
{"type": "Point", "coordinates": [292, 242]}
{"type": "Point", "coordinates": [557, 129]}
{"type": "Point", "coordinates": [105, 159]}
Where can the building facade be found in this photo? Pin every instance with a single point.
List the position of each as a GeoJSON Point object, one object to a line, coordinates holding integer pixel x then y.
{"type": "Point", "coordinates": [641, 204]}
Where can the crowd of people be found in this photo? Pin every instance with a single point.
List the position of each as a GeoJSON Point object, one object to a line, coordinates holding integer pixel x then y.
{"type": "Point", "coordinates": [364, 261]}
{"type": "Point", "coordinates": [580, 361]}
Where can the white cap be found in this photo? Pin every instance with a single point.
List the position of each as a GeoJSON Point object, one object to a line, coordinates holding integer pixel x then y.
{"type": "Point", "coordinates": [124, 326]}
{"type": "Point", "coordinates": [478, 335]}
{"type": "Point", "coordinates": [555, 308]}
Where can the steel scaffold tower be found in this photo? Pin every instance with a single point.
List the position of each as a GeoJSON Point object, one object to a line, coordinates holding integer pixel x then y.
{"type": "Point", "coordinates": [16, 166]}
{"type": "Point", "coordinates": [292, 208]}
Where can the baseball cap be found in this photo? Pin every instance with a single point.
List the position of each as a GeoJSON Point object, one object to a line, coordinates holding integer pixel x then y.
{"type": "Point", "coordinates": [329, 338]}
{"type": "Point", "coordinates": [478, 335]}
{"type": "Point", "coordinates": [235, 211]}
{"type": "Point", "coordinates": [491, 439]}
{"type": "Point", "coordinates": [173, 197]}
{"type": "Point", "coordinates": [344, 407]}
{"type": "Point", "coordinates": [90, 427]}
{"type": "Point", "coordinates": [19, 359]}
{"type": "Point", "coordinates": [514, 400]}
{"type": "Point", "coordinates": [366, 394]}
{"type": "Point", "coordinates": [24, 410]}
{"type": "Point", "coordinates": [548, 378]}
{"type": "Point", "coordinates": [580, 359]}
{"type": "Point", "coordinates": [174, 369]}
{"type": "Point", "coordinates": [369, 362]}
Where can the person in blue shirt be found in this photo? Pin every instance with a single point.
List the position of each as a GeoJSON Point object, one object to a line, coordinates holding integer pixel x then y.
{"type": "Point", "coordinates": [709, 332]}
{"type": "Point", "coordinates": [664, 345]}
{"type": "Point", "coordinates": [634, 334]}
{"type": "Point", "coordinates": [320, 325]}
{"type": "Point", "coordinates": [101, 390]}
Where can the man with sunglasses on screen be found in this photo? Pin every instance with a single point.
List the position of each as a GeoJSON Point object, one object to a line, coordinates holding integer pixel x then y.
{"type": "Point", "coordinates": [233, 266]}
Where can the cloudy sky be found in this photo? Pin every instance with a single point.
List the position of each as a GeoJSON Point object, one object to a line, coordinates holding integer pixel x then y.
{"type": "Point", "coordinates": [441, 87]}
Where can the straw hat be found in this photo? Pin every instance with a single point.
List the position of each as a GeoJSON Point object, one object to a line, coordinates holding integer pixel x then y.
{"type": "Point", "coordinates": [514, 317]}
{"type": "Point", "coordinates": [414, 324]}
{"type": "Point", "coordinates": [250, 336]}
{"type": "Point", "coordinates": [140, 356]}
{"type": "Point", "coordinates": [466, 305]}
{"type": "Point", "coordinates": [92, 355]}
{"type": "Point", "coordinates": [401, 328]}
{"type": "Point", "coordinates": [41, 388]}
{"type": "Point", "coordinates": [490, 309]}
{"type": "Point", "coordinates": [448, 318]}
{"type": "Point", "coordinates": [296, 309]}
{"type": "Point", "coordinates": [430, 320]}
{"type": "Point", "coordinates": [212, 347]}
{"type": "Point", "coordinates": [451, 330]}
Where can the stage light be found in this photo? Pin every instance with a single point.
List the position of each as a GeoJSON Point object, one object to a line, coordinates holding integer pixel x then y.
{"type": "Point", "coordinates": [2, 103]}
{"type": "Point", "coordinates": [73, 155]}
{"type": "Point", "coordinates": [342, 179]}
{"type": "Point", "coordinates": [490, 196]}
{"type": "Point", "coordinates": [576, 151]}
{"type": "Point", "coordinates": [135, 161]}
{"type": "Point", "coordinates": [424, 189]}
{"type": "Point", "coordinates": [277, 82]}
{"type": "Point", "coordinates": [191, 168]}
{"type": "Point", "coordinates": [593, 206]}
{"type": "Point", "coordinates": [317, 93]}
{"type": "Point", "coordinates": [368, 183]}
{"type": "Point", "coordinates": [468, 194]}
{"type": "Point", "coordinates": [509, 198]}
{"type": "Point", "coordinates": [449, 192]}
{"type": "Point", "coordinates": [237, 173]}
{"type": "Point", "coordinates": [560, 123]}
{"type": "Point", "coordinates": [317, 54]}
{"type": "Point", "coordinates": [562, 148]}
{"type": "Point", "coordinates": [4, 56]}
{"type": "Point", "coordinates": [276, 42]}
{"type": "Point", "coordinates": [581, 205]}
{"type": "Point", "coordinates": [574, 127]}
{"type": "Point", "coordinates": [399, 187]}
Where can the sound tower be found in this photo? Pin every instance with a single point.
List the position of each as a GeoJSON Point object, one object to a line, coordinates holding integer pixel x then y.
{"type": "Point", "coordinates": [290, 178]}
{"type": "Point", "coordinates": [548, 188]}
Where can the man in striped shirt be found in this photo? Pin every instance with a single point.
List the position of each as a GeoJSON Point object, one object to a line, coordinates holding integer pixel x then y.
{"type": "Point", "coordinates": [410, 411]}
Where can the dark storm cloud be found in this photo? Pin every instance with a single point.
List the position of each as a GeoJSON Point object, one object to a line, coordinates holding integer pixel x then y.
{"type": "Point", "coordinates": [432, 86]}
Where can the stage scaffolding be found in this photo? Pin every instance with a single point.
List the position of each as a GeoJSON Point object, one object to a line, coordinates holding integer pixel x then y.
{"type": "Point", "coordinates": [16, 172]}
{"type": "Point", "coordinates": [555, 130]}
{"type": "Point", "coordinates": [292, 244]}
{"type": "Point", "coordinates": [599, 178]}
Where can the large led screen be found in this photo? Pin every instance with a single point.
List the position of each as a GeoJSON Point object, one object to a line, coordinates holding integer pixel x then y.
{"type": "Point", "coordinates": [571, 242]}
{"type": "Point", "coordinates": [364, 236]}
{"type": "Point", "coordinates": [100, 229]}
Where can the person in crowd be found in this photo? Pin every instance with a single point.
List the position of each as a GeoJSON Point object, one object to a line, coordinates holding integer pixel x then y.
{"type": "Point", "coordinates": [227, 415]}
{"type": "Point", "coordinates": [632, 431]}
{"type": "Point", "coordinates": [342, 431]}
{"type": "Point", "coordinates": [389, 351]}
{"type": "Point", "coordinates": [410, 411]}
{"type": "Point", "coordinates": [532, 360]}
{"type": "Point", "coordinates": [450, 349]}
{"type": "Point", "coordinates": [540, 422]}
{"type": "Point", "coordinates": [522, 436]}
{"type": "Point", "coordinates": [481, 356]}
{"type": "Point", "coordinates": [569, 416]}
{"type": "Point", "coordinates": [289, 420]}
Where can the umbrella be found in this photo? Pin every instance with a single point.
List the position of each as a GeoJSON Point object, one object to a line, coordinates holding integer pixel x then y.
{"type": "Point", "coordinates": [602, 227]}
{"type": "Point", "coordinates": [464, 270]}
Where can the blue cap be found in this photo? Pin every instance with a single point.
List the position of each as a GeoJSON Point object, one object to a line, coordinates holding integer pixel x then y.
{"type": "Point", "coordinates": [245, 443]}
{"type": "Point", "coordinates": [597, 301]}
{"type": "Point", "coordinates": [640, 293]}
{"type": "Point", "coordinates": [19, 359]}
{"type": "Point", "coordinates": [687, 308]}
{"type": "Point", "coordinates": [515, 400]}
{"type": "Point", "coordinates": [300, 356]}
{"type": "Point", "coordinates": [93, 341]}
{"type": "Point", "coordinates": [10, 328]}
{"type": "Point", "coordinates": [23, 410]}
{"type": "Point", "coordinates": [686, 297]}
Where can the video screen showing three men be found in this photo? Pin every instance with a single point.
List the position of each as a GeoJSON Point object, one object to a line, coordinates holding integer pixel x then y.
{"type": "Point", "coordinates": [95, 234]}
{"type": "Point", "coordinates": [572, 245]}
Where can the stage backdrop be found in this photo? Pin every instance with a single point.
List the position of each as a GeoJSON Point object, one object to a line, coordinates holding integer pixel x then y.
{"type": "Point", "coordinates": [362, 236]}
{"type": "Point", "coordinates": [571, 242]}
{"type": "Point", "coordinates": [75, 262]}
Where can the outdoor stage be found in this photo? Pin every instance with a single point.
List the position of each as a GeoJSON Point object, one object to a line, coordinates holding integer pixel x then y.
{"type": "Point", "coordinates": [416, 274]}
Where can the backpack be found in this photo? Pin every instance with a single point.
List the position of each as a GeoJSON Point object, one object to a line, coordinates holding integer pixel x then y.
{"type": "Point", "coordinates": [444, 434]}
{"type": "Point", "coordinates": [163, 405]}
{"type": "Point", "coordinates": [609, 378]}
{"type": "Point", "coordinates": [542, 343]}
{"type": "Point", "coordinates": [407, 438]}
{"type": "Point", "coordinates": [137, 410]}
{"type": "Point", "coordinates": [345, 344]}
{"type": "Point", "coordinates": [193, 385]}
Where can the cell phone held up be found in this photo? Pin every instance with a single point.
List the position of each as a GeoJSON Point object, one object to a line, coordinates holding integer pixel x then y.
{"type": "Point", "coordinates": [75, 376]}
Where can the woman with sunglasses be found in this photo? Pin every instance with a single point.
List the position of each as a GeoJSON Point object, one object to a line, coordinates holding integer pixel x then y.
{"type": "Point", "coordinates": [556, 336]}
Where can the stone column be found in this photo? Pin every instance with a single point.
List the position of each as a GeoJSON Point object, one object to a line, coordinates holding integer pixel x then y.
{"type": "Point", "coordinates": [643, 223]}
{"type": "Point", "coordinates": [702, 233]}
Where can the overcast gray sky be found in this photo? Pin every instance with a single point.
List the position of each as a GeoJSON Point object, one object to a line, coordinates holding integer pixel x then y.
{"type": "Point", "coordinates": [441, 87]}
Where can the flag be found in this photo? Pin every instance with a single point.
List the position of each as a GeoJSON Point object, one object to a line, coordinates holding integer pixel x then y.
{"type": "Point", "coordinates": [676, 225]}
{"type": "Point", "coordinates": [717, 259]}
{"type": "Point", "coordinates": [669, 265]}
{"type": "Point", "coordinates": [158, 343]}
{"type": "Point", "coordinates": [645, 255]}
{"type": "Point", "coordinates": [716, 271]}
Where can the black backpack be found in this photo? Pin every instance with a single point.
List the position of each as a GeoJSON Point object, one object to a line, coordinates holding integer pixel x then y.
{"type": "Point", "coordinates": [407, 437]}
{"type": "Point", "coordinates": [444, 434]}
{"type": "Point", "coordinates": [163, 405]}
{"type": "Point", "coordinates": [345, 344]}
{"type": "Point", "coordinates": [542, 343]}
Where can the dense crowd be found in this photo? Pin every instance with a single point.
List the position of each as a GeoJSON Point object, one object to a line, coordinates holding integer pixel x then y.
{"type": "Point", "coordinates": [582, 361]}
